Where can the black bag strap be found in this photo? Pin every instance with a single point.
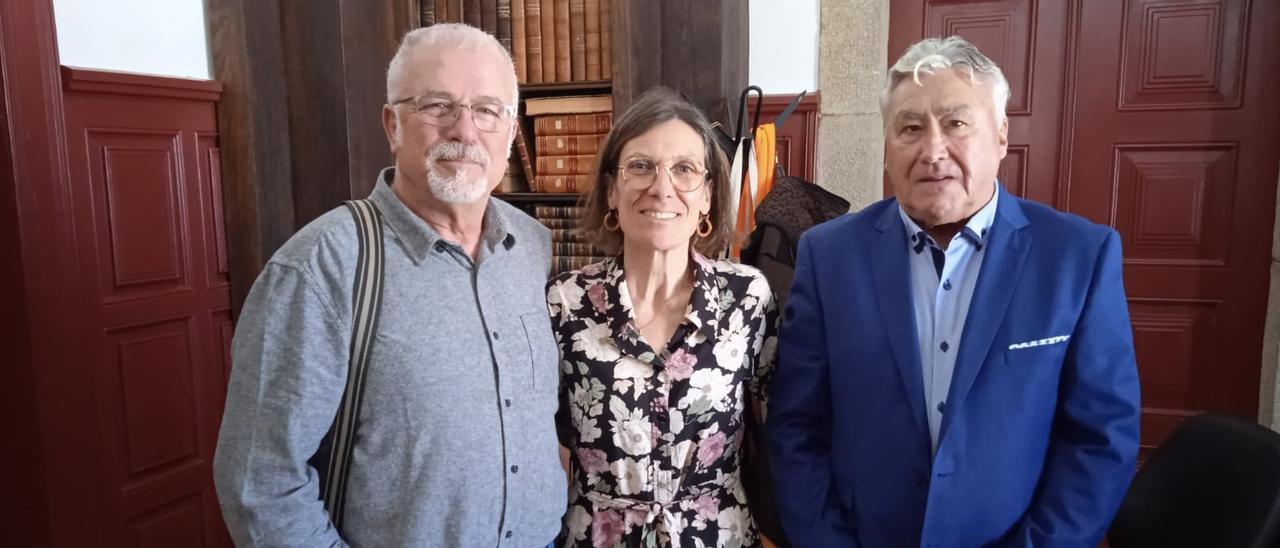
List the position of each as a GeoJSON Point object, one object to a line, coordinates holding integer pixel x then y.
{"type": "Point", "coordinates": [366, 305]}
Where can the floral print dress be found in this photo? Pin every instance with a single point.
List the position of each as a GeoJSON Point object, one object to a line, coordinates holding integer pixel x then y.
{"type": "Point", "coordinates": [654, 432]}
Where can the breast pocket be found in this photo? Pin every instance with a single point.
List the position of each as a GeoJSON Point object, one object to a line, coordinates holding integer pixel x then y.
{"type": "Point", "coordinates": [1049, 353]}
{"type": "Point", "coordinates": [544, 356]}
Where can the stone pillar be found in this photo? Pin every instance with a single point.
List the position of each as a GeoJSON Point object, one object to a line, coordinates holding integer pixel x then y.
{"type": "Point", "coordinates": [1269, 383]}
{"type": "Point", "coordinates": [852, 57]}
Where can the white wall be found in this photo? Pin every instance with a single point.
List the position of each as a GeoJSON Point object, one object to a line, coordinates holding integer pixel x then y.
{"type": "Point", "coordinates": [163, 37]}
{"type": "Point", "coordinates": [784, 45]}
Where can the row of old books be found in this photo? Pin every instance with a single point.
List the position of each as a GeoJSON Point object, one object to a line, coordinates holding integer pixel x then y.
{"type": "Point", "coordinates": [569, 249]}
{"type": "Point", "coordinates": [549, 40]}
{"type": "Point", "coordinates": [567, 135]}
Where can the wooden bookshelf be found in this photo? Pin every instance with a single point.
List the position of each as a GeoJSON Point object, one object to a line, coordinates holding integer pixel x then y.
{"type": "Point", "coordinates": [533, 198]}
{"type": "Point", "coordinates": [562, 88]}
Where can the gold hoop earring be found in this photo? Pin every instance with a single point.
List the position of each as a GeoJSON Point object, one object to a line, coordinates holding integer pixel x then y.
{"type": "Point", "coordinates": [612, 214]}
{"type": "Point", "coordinates": [704, 226]}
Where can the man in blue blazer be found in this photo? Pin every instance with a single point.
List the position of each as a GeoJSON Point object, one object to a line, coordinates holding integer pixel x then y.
{"type": "Point", "coordinates": [956, 364]}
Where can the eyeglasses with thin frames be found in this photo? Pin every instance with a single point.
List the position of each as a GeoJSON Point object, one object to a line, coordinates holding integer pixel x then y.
{"type": "Point", "coordinates": [640, 173]}
{"type": "Point", "coordinates": [488, 116]}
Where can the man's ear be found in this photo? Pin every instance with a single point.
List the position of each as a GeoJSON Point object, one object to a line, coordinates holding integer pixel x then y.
{"type": "Point", "coordinates": [390, 126]}
{"type": "Point", "coordinates": [1003, 137]}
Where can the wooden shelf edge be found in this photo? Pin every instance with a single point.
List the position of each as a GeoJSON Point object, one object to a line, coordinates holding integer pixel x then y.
{"type": "Point", "coordinates": [559, 198]}
{"type": "Point", "coordinates": [593, 85]}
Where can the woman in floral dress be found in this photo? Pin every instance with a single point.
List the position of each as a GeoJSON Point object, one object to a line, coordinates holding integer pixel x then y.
{"type": "Point", "coordinates": [663, 349]}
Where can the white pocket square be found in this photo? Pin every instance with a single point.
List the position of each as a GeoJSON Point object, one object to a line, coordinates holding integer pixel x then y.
{"type": "Point", "coordinates": [1041, 342]}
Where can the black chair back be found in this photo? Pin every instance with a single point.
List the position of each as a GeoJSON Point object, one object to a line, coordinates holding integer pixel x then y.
{"type": "Point", "coordinates": [1214, 483]}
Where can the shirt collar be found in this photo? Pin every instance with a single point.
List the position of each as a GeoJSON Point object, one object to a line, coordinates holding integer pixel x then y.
{"type": "Point", "coordinates": [702, 315]}
{"type": "Point", "coordinates": [417, 236]}
{"type": "Point", "coordinates": [975, 230]}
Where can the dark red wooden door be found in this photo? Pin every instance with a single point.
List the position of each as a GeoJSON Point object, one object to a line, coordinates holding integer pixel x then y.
{"type": "Point", "coordinates": [143, 161]}
{"type": "Point", "coordinates": [1156, 117]}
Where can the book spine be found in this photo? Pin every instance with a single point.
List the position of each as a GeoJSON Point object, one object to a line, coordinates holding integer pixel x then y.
{"type": "Point", "coordinates": [519, 42]}
{"type": "Point", "coordinates": [577, 40]}
{"type": "Point", "coordinates": [427, 13]}
{"type": "Point", "coordinates": [564, 183]}
{"type": "Point", "coordinates": [522, 150]}
{"type": "Point", "coordinates": [592, 17]}
{"type": "Point", "coordinates": [568, 144]}
{"type": "Point", "coordinates": [533, 40]}
{"type": "Point", "coordinates": [558, 212]}
{"type": "Point", "coordinates": [504, 23]}
{"type": "Point", "coordinates": [567, 235]}
{"type": "Point", "coordinates": [564, 72]}
{"type": "Point", "coordinates": [471, 13]}
{"type": "Point", "coordinates": [565, 165]}
{"type": "Point", "coordinates": [548, 41]}
{"type": "Point", "coordinates": [572, 124]}
{"type": "Point", "coordinates": [606, 40]}
{"type": "Point", "coordinates": [556, 222]}
{"type": "Point", "coordinates": [585, 249]}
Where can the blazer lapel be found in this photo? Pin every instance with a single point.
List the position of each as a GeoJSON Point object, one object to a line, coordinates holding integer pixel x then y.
{"type": "Point", "coordinates": [893, 289]}
{"type": "Point", "coordinates": [1006, 253]}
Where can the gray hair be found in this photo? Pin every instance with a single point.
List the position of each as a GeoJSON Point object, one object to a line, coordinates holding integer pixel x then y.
{"type": "Point", "coordinates": [953, 52]}
{"type": "Point", "coordinates": [445, 36]}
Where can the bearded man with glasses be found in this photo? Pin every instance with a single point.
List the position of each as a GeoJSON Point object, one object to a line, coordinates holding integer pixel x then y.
{"type": "Point", "coordinates": [455, 440]}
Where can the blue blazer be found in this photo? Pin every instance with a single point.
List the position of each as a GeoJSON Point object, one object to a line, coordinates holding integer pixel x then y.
{"type": "Point", "coordinates": [1039, 441]}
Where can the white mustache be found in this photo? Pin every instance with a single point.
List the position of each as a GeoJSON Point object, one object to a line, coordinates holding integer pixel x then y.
{"type": "Point", "coordinates": [452, 150]}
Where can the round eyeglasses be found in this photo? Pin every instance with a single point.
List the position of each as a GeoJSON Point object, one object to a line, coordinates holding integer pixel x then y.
{"type": "Point", "coordinates": [640, 173]}
{"type": "Point", "coordinates": [488, 116]}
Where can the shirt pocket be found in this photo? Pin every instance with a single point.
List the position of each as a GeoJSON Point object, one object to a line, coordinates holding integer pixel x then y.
{"type": "Point", "coordinates": [544, 355]}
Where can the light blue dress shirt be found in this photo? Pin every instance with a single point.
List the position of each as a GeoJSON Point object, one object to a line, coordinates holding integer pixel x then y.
{"type": "Point", "coordinates": [942, 283]}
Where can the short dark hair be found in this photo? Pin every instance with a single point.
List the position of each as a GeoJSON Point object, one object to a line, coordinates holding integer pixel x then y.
{"type": "Point", "coordinates": [656, 106]}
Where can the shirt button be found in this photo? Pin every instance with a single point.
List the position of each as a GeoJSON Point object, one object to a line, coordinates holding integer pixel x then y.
{"type": "Point", "coordinates": [514, 468]}
{"type": "Point", "coordinates": [508, 535]}
{"type": "Point", "coordinates": [440, 247]}
{"type": "Point", "coordinates": [942, 407]}
{"type": "Point", "coordinates": [946, 286]}
{"type": "Point", "coordinates": [508, 402]}
{"type": "Point", "coordinates": [944, 346]}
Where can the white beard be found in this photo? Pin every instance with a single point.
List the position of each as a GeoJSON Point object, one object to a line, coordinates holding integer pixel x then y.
{"type": "Point", "coordinates": [458, 188]}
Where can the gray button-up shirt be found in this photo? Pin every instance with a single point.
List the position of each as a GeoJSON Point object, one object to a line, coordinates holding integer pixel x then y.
{"type": "Point", "coordinates": [456, 441]}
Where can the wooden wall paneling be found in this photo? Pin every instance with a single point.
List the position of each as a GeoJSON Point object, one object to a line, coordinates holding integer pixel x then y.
{"type": "Point", "coordinates": [143, 216]}
{"type": "Point", "coordinates": [704, 53]}
{"type": "Point", "coordinates": [405, 16]}
{"type": "Point", "coordinates": [696, 48]}
{"type": "Point", "coordinates": [43, 391]}
{"type": "Point", "coordinates": [336, 56]}
{"type": "Point", "coordinates": [797, 139]}
{"type": "Point", "coordinates": [370, 36]}
{"type": "Point", "coordinates": [253, 123]}
{"type": "Point", "coordinates": [320, 166]}
{"type": "Point", "coordinates": [635, 25]}
{"type": "Point", "coordinates": [301, 113]}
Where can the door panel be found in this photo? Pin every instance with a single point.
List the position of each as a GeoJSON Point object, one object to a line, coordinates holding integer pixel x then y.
{"type": "Point", "coordinates": [1156, 117]}
{"type": "Point", "coordinates": [147, 214]}
{"type": "Point", "coordinates": [1172, 151]}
